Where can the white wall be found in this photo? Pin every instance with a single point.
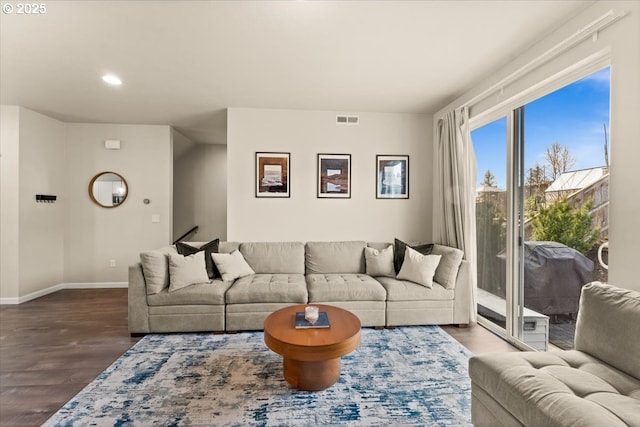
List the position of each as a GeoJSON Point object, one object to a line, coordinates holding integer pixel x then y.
{"type": "Point", "coordinates": [32, 249]}
{"type": "Point", "coordinates": [621, 44]}
{"type": "Point", "coordinates": [200, 192]}
{"type": "Point", "coordinates": [303, 217]}
{"type": "Point", "coordinates": [96, 235]}
{"type": "Point", "coordinates": [181, 144]}
{"type": "Point", "coordinates": [9, 201]}
{"type": "Point", "coordinates": [72, 240]}
{"type": "Point", "coordinates": [624, 208]}
{"type": "Point", "coordinates": [41, 231]}
{"type": "Point", "coordinates": [183, 191]}
{"type": "Point", "coordinates": [211, 191]}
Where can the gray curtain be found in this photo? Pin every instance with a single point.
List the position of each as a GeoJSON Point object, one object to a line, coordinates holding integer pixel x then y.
{"type": "Point", "coordinates": [454, 208]}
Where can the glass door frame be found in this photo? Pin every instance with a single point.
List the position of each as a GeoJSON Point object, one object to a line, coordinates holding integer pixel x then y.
{"type": "Point", "coordinates": [515, 224]}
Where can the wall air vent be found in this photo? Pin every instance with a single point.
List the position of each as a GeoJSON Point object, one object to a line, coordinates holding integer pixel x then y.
{"type": "Point", "coordinates": [347, 120]}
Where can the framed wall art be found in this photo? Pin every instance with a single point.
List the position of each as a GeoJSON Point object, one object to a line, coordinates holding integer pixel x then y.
{"type": "Point", "coordinates": [273, 174]}
{"type": "Point", "coordinates": [392, 177]}
{"type": "Point", "coordinates": [334, 176]}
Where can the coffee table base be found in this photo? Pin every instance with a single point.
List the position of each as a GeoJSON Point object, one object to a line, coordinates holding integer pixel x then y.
{"type": "Point", "coordinates": [311, 376]}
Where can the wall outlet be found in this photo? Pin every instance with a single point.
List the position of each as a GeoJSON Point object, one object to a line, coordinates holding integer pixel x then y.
{"type": "Point", "coordinates": [112, 263]}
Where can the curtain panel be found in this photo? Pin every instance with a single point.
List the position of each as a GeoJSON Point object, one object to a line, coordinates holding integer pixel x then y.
{"type": "Point", "coordinates": [454, 206]}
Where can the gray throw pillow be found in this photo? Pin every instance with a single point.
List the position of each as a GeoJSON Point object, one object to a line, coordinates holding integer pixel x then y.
{"type": "Point", "coordinates": [232, 266]}
{"type": "Point", "coordinates": [447, 270]}
{"type": "Point", "coordinates": [187, 270]}
{"type": "Point", "coordinates": [379, 263]}
{"type": "Point", "coordinates": [155, 267]}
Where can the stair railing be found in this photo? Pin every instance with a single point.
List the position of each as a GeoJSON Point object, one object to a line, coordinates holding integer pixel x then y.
{"type": "Point", "coordinates": [192, 230]}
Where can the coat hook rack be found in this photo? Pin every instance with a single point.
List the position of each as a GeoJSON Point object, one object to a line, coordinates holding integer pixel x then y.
{"type": "Point", "coordinates": [45, 198]}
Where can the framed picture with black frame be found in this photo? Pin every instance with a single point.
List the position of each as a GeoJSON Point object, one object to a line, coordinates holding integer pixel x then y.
{"type": "Point", "coordinates": [392, 177]}
{"type": "Point", "coordinates": [273, 174]}
{"type": "Point", "coordinates": [334, 176]}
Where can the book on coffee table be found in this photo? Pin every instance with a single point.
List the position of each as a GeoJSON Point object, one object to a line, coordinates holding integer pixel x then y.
{"type": "Point", "coordinates": [302, 323]}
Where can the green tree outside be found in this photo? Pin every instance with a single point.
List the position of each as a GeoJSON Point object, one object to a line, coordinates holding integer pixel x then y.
{"type": "Point", "coordinates": [489, 179]}
{"type": "Point", "coordinates": [491, 234]}
{"type": "Point", "coordinates": [536, 184]}
{"type": "Point", "coordinates": [561, 223]}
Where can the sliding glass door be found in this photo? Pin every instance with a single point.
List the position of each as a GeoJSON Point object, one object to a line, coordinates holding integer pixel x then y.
{"type": "Point", "coordinates": [542, 211]}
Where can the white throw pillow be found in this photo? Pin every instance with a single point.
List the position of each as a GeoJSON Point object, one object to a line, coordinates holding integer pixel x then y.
{"type": "Point", "coordinates": [379, 263]}
{"type": "Point", "coordinates": [232, 266]}
{"type": "Point", "coordinates": [419, 268]}
{"type": "Point", "coordinates": [187, 270]}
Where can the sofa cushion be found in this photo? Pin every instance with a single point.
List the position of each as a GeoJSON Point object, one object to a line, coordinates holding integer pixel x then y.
{"type": "Point", "coordinates": [558, 388]}
{"type": "Point", "coordinates": [155, 267]}
{"type": "Point", "coordinates": [608, 326]}
{"type": "Point", "coordinates": [401, 248]}
{"type": "Point", "coordinates": [379, 262]}
{"type": "Point", "coordinates": [403, 290]}
{"type": "Point", "coordinates": [208, 248]}
{"type": "Point", "coordinates": [268, 288]}
{"type": "Point", "coordinates": [274, 257]}
{"type": "Point", "coordinates": [334, 257]}
{"type": "Point", "coordinates": [419, 268]}
{"type": "Point", "coordinates": [186, 270]}
{"type": "Point", "coordinates": [228, 247]}
{"type": "Point", "coordinates": [232, 266]}
{"type": "Point", "coordinates": [223, 247]}
{"type": "Point", "coordinates": [344, 287]}
{"type": "Point", "coordinates": [211, 293]}
{"type": "Point", "coordinates": [447, 270]}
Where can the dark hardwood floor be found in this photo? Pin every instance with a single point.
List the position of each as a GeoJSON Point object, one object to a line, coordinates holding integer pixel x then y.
{"type": "Point", "coordinates": [53, 346]}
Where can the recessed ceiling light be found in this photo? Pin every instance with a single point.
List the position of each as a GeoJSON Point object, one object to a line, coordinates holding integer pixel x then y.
{"type": "Point", "coordinates": [112, 79]}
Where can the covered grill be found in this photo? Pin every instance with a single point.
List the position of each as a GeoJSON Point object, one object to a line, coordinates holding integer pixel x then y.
{"type": "Point", "coordinates": [553, 277]}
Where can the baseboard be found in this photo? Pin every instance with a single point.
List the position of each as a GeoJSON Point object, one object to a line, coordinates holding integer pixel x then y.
{"type": "Point", "coordinates": [52, 289]}
{"type": "Point", "coordinates": [94, 285]}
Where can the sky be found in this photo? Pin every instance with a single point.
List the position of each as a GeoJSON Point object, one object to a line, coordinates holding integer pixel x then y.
{"type": "Point", "coordinates": [573, 116]}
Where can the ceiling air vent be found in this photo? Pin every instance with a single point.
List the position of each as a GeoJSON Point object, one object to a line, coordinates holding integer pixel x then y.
{"type": "Point", "coordinates": [347, 120]}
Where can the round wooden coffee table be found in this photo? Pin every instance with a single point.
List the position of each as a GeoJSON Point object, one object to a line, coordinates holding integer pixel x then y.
{"type": "Point", "coordinates": [311, 357]}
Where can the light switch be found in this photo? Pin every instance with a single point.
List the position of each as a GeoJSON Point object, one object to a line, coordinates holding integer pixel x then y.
{"type": "Point", "coordinates": [155, 218]}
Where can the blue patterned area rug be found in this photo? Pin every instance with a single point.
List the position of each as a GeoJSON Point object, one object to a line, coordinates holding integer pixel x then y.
{"type": "Point", "coordinates": [402, 376]}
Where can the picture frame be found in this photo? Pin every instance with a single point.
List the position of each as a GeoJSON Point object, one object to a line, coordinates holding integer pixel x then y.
{"type": "Point", "coordinates": [392, 176]}
{"type": "Point", "coordinates": [334, 176]}
{"type": "Point", "coordinates": [273, 173]}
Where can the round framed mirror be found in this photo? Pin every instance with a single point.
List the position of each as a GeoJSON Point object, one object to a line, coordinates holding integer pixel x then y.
{"type": "Point", "coordinates": [108, 189]}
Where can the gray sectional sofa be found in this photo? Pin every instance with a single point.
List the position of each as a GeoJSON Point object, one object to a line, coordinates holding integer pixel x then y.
{"type": "Point", "coordinates": [288, 273]}
{"type": "Point", "coordinates": [597, 384]}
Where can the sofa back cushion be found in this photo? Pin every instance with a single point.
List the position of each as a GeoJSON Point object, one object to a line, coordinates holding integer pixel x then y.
{"type": "Point", "coordinates": [274, 257]}
{"type": "Point", "coordinates": [335, 257]}
{"type": "Point", "coordinates": [608, 326]}
{"type": "Point", "coordinates": [223, 247]}
{"type": "Point", "coordinates": [228, 247]}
